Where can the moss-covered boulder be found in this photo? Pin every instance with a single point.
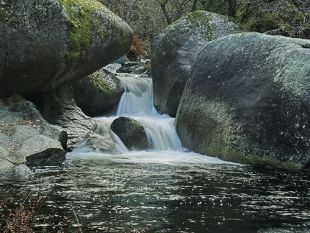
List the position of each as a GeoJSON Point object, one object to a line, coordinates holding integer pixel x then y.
{"type": "Point", "coordinates": [98, 93]}
{"type": "Point", "coordinates": [248, 100]}
{"type": "Point", "coordinates": [286, 17]}
{"type": "Point", "coordinates": [174, 52]}
{"type": "Point", "coordinates": [131, 132]}
{"type": "Point", "coordinates": [47, 43]}
{"type": "Point", "coordinates": [26, 138]}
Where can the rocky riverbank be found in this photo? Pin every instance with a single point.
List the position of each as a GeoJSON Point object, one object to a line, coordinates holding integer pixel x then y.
{"type": "Point", "coordinates": [242, 97]}
{"type": "Point", "coordinates": [45, 47]}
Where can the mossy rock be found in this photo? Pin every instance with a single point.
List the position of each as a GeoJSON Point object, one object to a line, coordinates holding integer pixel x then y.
{"type": "Point", "coordinates": [48, 43]}
{"type": "Point", "coordinates": [288, 18]}
{"type": "Point", "coordinates": [98, 93]}
{"type": "Point", "coordinates": [247, 100]}
{"type": "Point", "coordinates": [175, 50]}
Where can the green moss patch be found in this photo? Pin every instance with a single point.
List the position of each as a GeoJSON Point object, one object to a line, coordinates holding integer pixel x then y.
{"type": "Point", "coordinates": [268, 16]}
{"type": "Point", "coordinates": [84, 18]}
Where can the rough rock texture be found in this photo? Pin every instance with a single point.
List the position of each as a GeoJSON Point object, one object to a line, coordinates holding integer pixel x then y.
{"type": "Point", "coordinates": [22, 130]}
{"type": "Point", "coordinates": [248, 100]}
{"type": "Point", "coordinates": [141, 67]}
{"type": "Point", "coordinates": [286, 17]}
{"type": "Point", "coordinates": [175, 50]}
{"type": "Point", "coordinates": [45, 44]}
{"type": "Point", "coordinates": [59, 107]}
{"type": "Point", "coordinates": [131, 132]}
{"type": "Point", "coordinates": [277, 17]}
{"type": "Point", "coordinates": [98, 93]}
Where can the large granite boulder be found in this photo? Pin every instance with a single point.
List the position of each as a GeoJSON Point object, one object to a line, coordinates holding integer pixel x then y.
{"type": "Point", "coordinates": [26, 138]}
{"type": "Point", "coordinates": [45, 44]}
{"type": "Point", "coordinates": [131, 132]}
{"type": "Point", "coordinates": [248, 100]}
{"type": "Point", "coordinates": [98, 93]}
{"type": "Point", "coordinates": [175, 50]}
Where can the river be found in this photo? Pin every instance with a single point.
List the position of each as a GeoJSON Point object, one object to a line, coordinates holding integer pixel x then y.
{"type": "Point", "coordinates": [163, 189]}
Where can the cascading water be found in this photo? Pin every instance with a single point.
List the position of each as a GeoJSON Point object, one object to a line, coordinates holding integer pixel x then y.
{"type": "Point", "coordinates": [138, 97]}
{"type": "Point", "coordinates": [137, 103]}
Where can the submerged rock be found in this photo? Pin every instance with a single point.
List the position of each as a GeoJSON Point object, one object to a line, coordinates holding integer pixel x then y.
{"type": "Point", "coordinates": [100, 139]}
{"type": "Point", "coordinates": [45, 44]}
{"type": "Point", "coordinates": [175, 50]}
{"type": "Point", "coordinates": [131, 132]}
{"type": "Point", "coordinates": [248, 100]}
{"type": "Point", "coordinates": [98, 93]}
{"type": "Point", "coordinates": [22, 130]}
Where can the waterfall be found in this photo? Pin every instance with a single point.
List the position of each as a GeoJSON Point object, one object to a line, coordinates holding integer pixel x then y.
{"type": "Point", "coordinates": [161, 133]}
{"type": "Point", "coordinates": [137, 103]}
{"type": "Point", "coordinates": [137, 98]}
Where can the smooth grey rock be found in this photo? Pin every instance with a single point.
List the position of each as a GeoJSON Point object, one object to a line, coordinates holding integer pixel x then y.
{"type": "Point", "coordinates": [22, 171]}
{"type": "Point", "coordinates": [131, 132]}
{"type": "Point", "coordinates": [248, 100]}
{"type": "Point", "coordinates": [174, 52]}
{"type": "Point", "coordinates": [42, 151]}
{"type": "Point", "coordinates": [5, 163]}
{"type": "Point", "coordinates": [20, 122]}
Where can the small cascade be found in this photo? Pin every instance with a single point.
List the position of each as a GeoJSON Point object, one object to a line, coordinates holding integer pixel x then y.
{"type": "Point", "coordinates": [161, 133]}
{"type": "Point", "coordinates": [138, 97]}
{"type": "Point", "coordinates": [137, 103]}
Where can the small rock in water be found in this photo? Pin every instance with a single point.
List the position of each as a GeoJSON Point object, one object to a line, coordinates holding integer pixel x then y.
{"type": "Point", "coordinates": [131, 132]}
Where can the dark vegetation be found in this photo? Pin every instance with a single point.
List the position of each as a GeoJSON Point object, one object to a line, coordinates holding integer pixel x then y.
{"type": "Point", "coordinates": [149, 17]}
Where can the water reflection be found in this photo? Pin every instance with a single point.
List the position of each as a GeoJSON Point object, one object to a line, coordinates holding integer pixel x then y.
{"type": "Point", "coordinates": [183, 197]}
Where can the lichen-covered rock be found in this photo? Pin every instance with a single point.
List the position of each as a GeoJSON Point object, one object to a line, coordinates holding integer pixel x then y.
{"type": "Point", "coordinates": [248, 100]}
{"type": "Point", "coordinates": [131, 132]}
{"type": "Point", "coordinates": [58, 107]}
{"type": "Point", "coordinates": [287, 17]}
{"type": "Point", "coordinates": [98, 93]}
{"type": "Point", "coordinates": [175, 50]}
{"type": "Point", "coordinates": [47, 43]}
{"type": "Point", "coordinates": [21, 127]}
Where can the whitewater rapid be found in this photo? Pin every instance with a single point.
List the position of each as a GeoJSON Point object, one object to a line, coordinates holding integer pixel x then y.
{"type": "Point", "coordinates": [164, 144]}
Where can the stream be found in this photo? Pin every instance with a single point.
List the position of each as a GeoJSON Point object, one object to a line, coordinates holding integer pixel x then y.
{"type": "Point", "coordinates": [163, 189]}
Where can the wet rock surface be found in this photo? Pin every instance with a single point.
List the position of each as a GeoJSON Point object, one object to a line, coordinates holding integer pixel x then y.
{"type": "Point", "coordinates": [131, 132]}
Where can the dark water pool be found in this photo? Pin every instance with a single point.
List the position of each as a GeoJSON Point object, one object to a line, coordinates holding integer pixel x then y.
{"type": "Point", "coordinates": [115, 195]}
